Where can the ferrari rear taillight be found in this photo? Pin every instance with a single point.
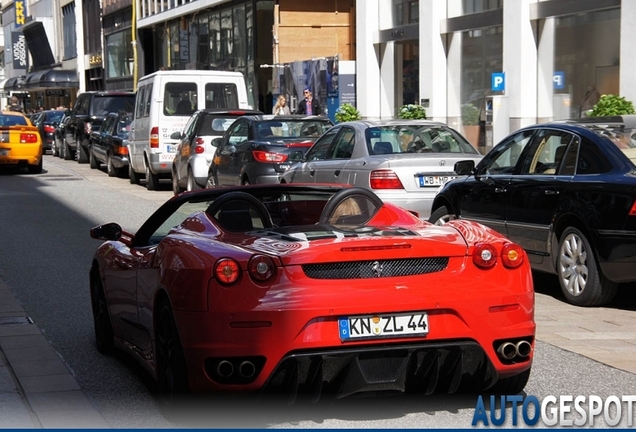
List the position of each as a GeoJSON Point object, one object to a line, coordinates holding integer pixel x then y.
{"type": "Point", "coordinates": [49, 129]}
{"type": "Point", "coordinates": [154, 137]}
{"type": "Point", "coordinates": [261, 268]}
{"type": "Point", "coordinates": [385, 179]}
{"type": "Point", "coordinates": [199, 145]}
{"type": "Point", "coordinates": [512, 255]}
{"type": "Point", "coordinates": [263, 156]}
{"type": "Point", "coordinates": [226, 271]}
{"type": "Point", "coordinates": [632, 211]}
{"type": "Point", "coordinates": [484, 255]}
{"type": "Point", "coordinates": [28, 138]}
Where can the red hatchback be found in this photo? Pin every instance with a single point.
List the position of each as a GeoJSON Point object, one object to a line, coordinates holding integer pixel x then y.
{"type": "Point", "coordinates": [313, 288]}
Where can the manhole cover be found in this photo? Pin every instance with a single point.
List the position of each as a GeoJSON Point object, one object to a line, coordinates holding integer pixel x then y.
{"type": "Point", "coordinates": [15, 320]}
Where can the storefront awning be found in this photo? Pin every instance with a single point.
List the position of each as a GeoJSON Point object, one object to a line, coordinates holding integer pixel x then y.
{"type": "Point", "coordinates": [51, 78]}
{"type": "Point", "coordinates": [14, 84]}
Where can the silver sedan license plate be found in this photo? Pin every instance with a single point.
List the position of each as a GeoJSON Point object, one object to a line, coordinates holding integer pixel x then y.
{"type": "Point", "coordinates": [435, 180]}
{"type": "Point", "coordinates": [383, 326]}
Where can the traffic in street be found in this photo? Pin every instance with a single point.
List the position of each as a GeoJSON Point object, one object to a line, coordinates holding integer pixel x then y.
{"type": "Point", "coordinates": [45, 258]}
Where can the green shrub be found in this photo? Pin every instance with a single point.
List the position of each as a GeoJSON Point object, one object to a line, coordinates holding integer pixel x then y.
{"type": "Point", "coordinates": [470, 115]}
{"type": "Point", "coordinates": [612, 105]}
{"type": "Point", "coordinates": [412, 111]}
{"type": "Point", "coordinates": [347, 112]}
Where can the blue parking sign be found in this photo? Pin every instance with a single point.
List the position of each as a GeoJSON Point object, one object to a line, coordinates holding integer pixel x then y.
{"type": "Point", "coordinates": [559, 80]}
{"type": "Point", "coordinates": [498, 81]}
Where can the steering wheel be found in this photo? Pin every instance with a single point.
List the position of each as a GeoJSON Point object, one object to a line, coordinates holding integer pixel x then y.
{"type": "Point", "coordinates": [257, 205]}
{"type": "Point", "coordinates": [339, 197]}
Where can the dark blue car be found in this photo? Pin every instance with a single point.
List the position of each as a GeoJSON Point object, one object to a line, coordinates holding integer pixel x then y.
{"type": "Point", "coordinates": [566, 192]}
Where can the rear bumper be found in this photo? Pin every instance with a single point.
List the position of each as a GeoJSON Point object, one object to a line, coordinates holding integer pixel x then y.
{"type": "Point", "coordinates": [419, 201]}
{"type": "Point", "coordinates": [159, 164]}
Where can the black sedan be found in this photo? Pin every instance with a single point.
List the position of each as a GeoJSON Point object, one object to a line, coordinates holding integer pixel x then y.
{"type": "Point", "coordinates": [108, 146]}
{"type": "Point", "coordinates": [258, 149]}
{"type": "Point", "coordinates": [47, 122]}
{"type": "Point", "coordinates": [566, 192]}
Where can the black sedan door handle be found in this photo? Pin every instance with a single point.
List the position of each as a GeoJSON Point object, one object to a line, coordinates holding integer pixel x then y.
{"type": "Point", "coordinates": [312, 172]}
{"type": "Point", "coordinates": [551, 192]}
{"type": "Point", "coordinates": [500, 190]}
{"type": "Point", "coordinates": [337, 173]}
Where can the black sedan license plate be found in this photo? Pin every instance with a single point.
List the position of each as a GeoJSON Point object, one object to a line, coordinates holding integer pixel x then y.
{"type": "Point", "coordinates": [383, 326]}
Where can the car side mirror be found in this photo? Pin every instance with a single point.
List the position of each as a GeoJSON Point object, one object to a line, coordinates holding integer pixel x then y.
{"type": "Point", "coordinates": [109, 231]}
{"type": "Point", "coordinates": [175, 135]}
{"type": "Point", "coordinates": [465, 167]}
{"type": "Point", "coordinates": [216, 142]}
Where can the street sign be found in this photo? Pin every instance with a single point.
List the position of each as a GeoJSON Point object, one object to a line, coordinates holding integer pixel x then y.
{"type": "Point", "coordinates": [498, 81]}
{"type": "Point", "coordinates": [559, 80]}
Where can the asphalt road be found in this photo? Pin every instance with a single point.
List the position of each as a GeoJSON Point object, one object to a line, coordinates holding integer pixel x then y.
{"type": "Point", "coordinates": [45, 254]}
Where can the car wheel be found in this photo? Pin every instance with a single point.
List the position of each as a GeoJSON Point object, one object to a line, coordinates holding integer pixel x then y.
{"type": "Point", "coordinates": [191, 183]}
{"type": "Point", "coordinates": [579, 276]}
{"type": "Point", "coordinates": [82, 151]}
{"type": "Point", "coordinates": [512, 385]}
{"type": "Point", "coordinates": [68, 154]}
{"type": "Point", "coordinates": [92, 161]}
{"type": "Point", "coordinates": [441, 216]}
{"type": "Point", "coordinates": [176, 189]}
{"type": "Point", "coordinates": [36, 169]}
{"type": "Point", "coordinates": [104, 335]}
{"type": "Point", "coordinates": [110, 168]}
{"type": "Point", "coordinates": [210, 183]}
{"type": "Point", "coordinates": [152, 180]}
{"type": "Point", "coordinates": [54, 150]}
{"type": "Point", "coordinates": [172, 377]}
{"type": "Point", "coordinates": [132, 175]}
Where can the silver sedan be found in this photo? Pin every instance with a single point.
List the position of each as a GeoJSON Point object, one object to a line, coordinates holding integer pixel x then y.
{"type": "Point", "coordinates": [403, 161]}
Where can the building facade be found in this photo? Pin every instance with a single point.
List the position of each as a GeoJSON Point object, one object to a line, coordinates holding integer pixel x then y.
{"type": "Point", "coordinates": [469, 60]}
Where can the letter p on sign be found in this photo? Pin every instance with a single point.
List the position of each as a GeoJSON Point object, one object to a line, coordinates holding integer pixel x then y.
{"type": "Point", "coordinates": [498, 81]}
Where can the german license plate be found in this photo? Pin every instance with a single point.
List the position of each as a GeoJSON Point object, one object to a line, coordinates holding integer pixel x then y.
{"type": "Point", "coordinates": [383, 326]}
{"type": "Point", "coordinates": [8, 161]}
{"type": "Point", "coordinates": [171, 149]}
{"type": "Point", "coordinates": [435, 180]}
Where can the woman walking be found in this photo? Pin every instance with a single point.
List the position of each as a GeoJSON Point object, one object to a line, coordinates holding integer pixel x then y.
{"type": "Point", "coordinates": [281, 107]}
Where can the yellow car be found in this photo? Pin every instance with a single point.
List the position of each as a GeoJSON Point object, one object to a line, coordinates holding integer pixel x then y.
{"type": "Point", "coordinates": [20, 142]}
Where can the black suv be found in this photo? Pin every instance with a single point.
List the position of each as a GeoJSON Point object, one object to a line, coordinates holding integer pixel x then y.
{"type": "Point", "coordinates": [90, 110]}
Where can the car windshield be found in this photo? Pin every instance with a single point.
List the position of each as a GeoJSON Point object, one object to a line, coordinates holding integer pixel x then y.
{"type": "Point", "coordinates": [12, 120]}
{"type": "Point", "coordinates": [416, 139]}
{"type": "Point", "coordinates": [215, 125]}
{"type": "Point", "coordinates": [108, 104]}
{"type": "Point", "coordinates": [292, 129]}
{"type": "Point", "coordinates": [54, 116]}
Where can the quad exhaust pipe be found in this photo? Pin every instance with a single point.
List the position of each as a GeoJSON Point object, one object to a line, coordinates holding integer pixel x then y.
{"type": "Point", "coordinates": [509, 351]}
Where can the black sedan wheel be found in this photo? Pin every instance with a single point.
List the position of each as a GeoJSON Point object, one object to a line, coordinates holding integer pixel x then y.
{"type": "Point", "coordinates": [580, 278]}
{"type": "Point", "coordinates": [172, 378]}
{"type": "Point", "coordinates": [211, 182]}
{"type": "Point", "coordinates": [441, 216]}
{"type": "Point", "coordinates": [93, 163]}
{"type": "Point", "coordinates": [176, 189]}
{"type": "Point", "coordinates": [104, 336]}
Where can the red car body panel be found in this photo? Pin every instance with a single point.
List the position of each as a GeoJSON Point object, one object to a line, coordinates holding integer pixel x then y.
{"type": "Point", "coordinates": [292, 313]}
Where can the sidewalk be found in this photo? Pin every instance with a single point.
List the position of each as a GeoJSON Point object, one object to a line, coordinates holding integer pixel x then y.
{"type": "Point", "coordinates": [36, 388]}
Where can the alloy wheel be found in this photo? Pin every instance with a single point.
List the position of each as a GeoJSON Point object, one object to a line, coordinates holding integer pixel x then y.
{"type": "Point", "coordinates": [573, 269]}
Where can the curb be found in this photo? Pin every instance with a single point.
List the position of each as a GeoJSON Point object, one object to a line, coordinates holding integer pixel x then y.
{"type": "Point", "coordinates": [37, 389]}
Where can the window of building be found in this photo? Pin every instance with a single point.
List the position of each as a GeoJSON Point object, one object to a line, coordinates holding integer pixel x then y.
{"type": "Point", "coordinates": [406, 12]}
{"type": "Point", "coordinates": [474, 6]}
{"type": "Point", "coordinates": [586, 60]}
{"type": "Point", "coordinates": [69, 31]}
{"type": "Point", "coordinates": [119, 54]}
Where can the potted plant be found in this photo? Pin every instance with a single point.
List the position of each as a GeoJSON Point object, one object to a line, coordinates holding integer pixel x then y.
{"type": "Point", "coordinates": [612, 105]}
{"type": "Point", "coordinates": [412, 111]}
{"type": "Point", "coordinates": [470, 123]}
{"type": "Point", "coordinates": [347, 112]}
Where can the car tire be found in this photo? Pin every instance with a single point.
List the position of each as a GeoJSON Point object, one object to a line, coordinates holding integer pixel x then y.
{"type": "Point", "coordinates": [82, 152]}
{"type": "Point", "coordinates": [172, 376]}
{"type": "Point", "coordinates": [152, 180]}
{"type": "Point", "coordinates": [54, 150]}
{"type": "Point", "coordinates": [92, 162]}
{"type": "Point", "coordinates": [132, 175]}
{"type": "Point", "coordinates": [441, 216]}
{"type": "Point", "coordinates": [191, 184]}
{"type": "Point", "coordinates": [512, 385]}
{"type": "Point", "coordinates": [68, 154]}
{"type": "Point", "coordinates": [581, 280]}
{"type": "Point", "coordinates": [210, 183]}
{"type": "Point", "coordinates": [176, 189]}
{"type": "Point", "coordinates": [36, 169]}
{"type": "Point", "coordinates": [110, 168]}
{"type": "Point", "coordinates": [104, 335]}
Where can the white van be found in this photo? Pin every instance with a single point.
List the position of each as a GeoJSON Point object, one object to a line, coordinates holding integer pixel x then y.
{"type": "Point", "coordinates": [164, 103]}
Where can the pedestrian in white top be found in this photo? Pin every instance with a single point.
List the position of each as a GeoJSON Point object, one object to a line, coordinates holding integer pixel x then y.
{"type": "Point", "coordinates": [281, 107]}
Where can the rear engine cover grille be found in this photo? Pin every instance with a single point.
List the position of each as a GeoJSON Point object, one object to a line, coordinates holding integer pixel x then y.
{"type": "Point", "coordinates": [375, 269]}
